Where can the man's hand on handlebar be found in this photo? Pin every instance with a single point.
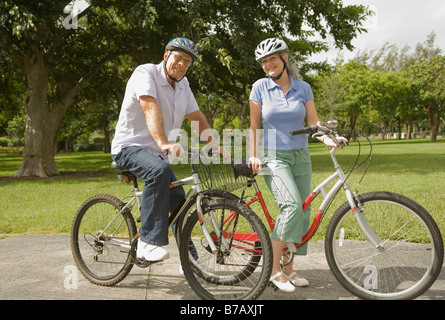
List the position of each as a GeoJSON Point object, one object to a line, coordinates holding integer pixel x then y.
{"type": "Point", "coordinates": [173, 149]}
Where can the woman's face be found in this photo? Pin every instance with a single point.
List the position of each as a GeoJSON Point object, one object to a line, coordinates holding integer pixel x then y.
{"type": "Point", "coordinates": [177, 64]}
{"type": "Point", "coordinates": [273, 65]}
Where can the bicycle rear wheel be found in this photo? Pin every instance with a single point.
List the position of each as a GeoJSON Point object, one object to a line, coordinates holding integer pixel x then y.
{"type": "Point", "coordinates": [239, 271]}
{"type": "Point", "coordinates": [101, 240]}
{"type": "Point", "coordinates": [409, 260]}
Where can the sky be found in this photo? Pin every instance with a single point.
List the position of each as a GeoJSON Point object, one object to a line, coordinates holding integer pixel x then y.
{"type": "Point", "coordinates": [399, 22]}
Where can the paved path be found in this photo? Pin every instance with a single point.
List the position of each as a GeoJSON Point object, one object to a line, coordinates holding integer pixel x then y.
{"type": "Point", "coordinates": [37, 267]}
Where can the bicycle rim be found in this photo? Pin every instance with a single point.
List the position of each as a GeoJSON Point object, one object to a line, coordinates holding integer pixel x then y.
{"type": "Point", "coordinates": [101, 248]}
{"type": "Point", "coordinates": [241, 271]}
{"type": "Point", "coordinates": [407, 264]}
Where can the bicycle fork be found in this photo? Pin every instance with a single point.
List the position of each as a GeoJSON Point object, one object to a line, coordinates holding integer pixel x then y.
{"type": "Point", "coordinates": [203, 222]}
{"type": "Point", "coordinates": [358, 209]}
{"type": "Point", "coordinates": [211, 218]}
{"type": "Point", "coordinates": [356, 206]}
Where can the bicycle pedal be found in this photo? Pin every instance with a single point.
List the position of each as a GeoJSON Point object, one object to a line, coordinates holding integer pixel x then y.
{"type": "Point", "coordinates": [142, 263]}
{"type": "Point", "coordinates": [273, 286]}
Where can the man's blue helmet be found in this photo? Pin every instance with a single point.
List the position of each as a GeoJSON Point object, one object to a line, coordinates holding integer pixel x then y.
{"type": "Point", "coordinates": [184, 45]}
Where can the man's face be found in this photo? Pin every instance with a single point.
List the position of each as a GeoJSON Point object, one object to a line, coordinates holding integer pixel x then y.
{"type": "Point", "coordinates": [178, 63]}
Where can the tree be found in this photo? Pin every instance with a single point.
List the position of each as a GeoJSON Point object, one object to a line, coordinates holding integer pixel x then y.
{"type": "Point", "coordinates": [358, 82]}
{"type": "Point", "coordinates": [392, 106]}
{"type": "Point", "coordinates": [330, 94]}
{"type": "Point", "coordinates": [428, 82]}
{"type": "Point", "coordinates": [11, 94]}
{"type": "Point", "coordinates": [381, 89]}
{"type": "Point", "coordinates": [98, 105]}
{"type": "Point", "coordinates": [391, 58]}
{"type": "Point", "coordinates": [59, 61]}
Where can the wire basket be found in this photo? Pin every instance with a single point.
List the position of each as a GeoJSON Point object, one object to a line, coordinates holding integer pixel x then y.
{"type": "Point", "coordinates": [219, 176]}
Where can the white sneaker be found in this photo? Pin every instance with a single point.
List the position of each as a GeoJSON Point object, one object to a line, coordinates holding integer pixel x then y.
{"type": "Point", "coordinates": [150, 252]}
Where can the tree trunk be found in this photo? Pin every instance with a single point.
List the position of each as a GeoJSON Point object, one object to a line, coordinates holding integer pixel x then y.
{"type": "Point", "coordinates": [33, 163]}
{"type": "Point", "coordinates": [107, 135]}
{"type": "Point", "coordinates": [399, 128]}
{"type": "Point", "coordinates": [434, 120]}
{"type": "Point", "coordinates": [436, 125]}
{"type": "Point", "coordinates": [410, 128]}
{"type": "Point", "coordinates": [43, 119]}
{"type": "Point", "coordinates": [352, 120]}
{"type": "Point", "coordinates": [42, 122]}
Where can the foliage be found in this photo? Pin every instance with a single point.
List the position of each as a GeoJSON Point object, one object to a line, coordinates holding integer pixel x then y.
{"type": "Point", "coordinates": [428, 81]}
{"type": "Point", "coordinates": [386, 91]}
{"type": "Point", "coordinates": [12, 91]}
{"type": "Point", "coordinates": [59, 62]}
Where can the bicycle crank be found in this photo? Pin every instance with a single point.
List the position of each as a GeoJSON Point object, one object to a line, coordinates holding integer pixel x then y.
{"type": "Point", "coordinates": [140, 262]}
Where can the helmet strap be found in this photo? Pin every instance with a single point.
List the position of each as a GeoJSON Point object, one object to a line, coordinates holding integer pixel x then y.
{"type": "Point", "coordinates": [284, 68]}
{"type": "Point", "coordinates": [168, 75]}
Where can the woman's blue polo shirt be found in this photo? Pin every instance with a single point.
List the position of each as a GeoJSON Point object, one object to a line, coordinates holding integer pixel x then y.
{"type": "Point", "coordinates": [282, 113]}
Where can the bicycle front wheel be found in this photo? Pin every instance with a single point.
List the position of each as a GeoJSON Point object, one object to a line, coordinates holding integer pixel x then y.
{"type": "Point", "coordinates": [101, 240]}
{"type": "Point", "coordinates": [240, 268]}
{"type": "Point", "coordinates": [406, 263]}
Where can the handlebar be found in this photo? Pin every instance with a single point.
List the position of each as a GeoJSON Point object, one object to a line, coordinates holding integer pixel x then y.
{"type": "Point", "coordinates": [306, 130]}
{"type": "Point", "coordinates": [311, 130]}
{"type": "Point", "coordinates": [315, 131]}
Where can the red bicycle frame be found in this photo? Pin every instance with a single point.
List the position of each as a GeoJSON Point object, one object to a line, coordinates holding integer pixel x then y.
{"type": "Point", "coordinates": [340, 181]}
{"type": "Point", "coordinates": [317, 220]}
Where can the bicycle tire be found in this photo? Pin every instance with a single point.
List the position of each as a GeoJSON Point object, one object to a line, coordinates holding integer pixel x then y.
{"type": "Point", "coordinates": [239, 273]}
{"type": "Point", "coordinates": [410, 261]}
{"type": "Point", "coordinates": [95, 253]}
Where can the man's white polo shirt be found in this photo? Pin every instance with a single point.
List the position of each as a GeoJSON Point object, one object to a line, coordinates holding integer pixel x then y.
{"type": "Point", "coordinates": [175, 104]}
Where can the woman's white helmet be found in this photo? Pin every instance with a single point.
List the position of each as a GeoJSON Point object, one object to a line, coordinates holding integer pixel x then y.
{"type": "Point", "coordinates": [270, 46]}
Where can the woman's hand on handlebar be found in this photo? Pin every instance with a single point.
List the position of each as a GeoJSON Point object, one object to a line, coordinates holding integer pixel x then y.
{"type": "Point", "coordinates": [325, 135]}
{"type": "Point", "coordinates": [328, 141]}
{"type": "Point", "coordinates": [255, 163]}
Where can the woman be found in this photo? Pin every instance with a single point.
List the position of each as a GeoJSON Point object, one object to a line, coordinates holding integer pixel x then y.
{"type": "Point", "coordinates": [282, 102]}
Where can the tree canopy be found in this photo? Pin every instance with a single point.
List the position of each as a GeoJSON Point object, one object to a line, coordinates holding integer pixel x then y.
{"type": "Point", "coordinates": [55, 55]}
{"type": "Point", "coordinates": [387, 90]}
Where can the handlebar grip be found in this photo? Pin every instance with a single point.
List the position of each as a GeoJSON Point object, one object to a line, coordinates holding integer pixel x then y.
{"type": "Point", "coordinates": [306, 130]}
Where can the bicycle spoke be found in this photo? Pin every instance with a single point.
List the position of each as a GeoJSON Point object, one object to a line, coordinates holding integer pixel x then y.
{"type": "Point", "coordinates": [406, 263]}
{"type": "Point", "coordinates": [101, 240]}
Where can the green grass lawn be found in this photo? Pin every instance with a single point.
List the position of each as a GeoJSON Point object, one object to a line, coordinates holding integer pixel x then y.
{"type": "Point", "coordinates": [44, 206]}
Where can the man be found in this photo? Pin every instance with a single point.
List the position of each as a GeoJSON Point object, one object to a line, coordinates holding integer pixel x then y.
{"type": "Point", "coordinates": [157, 99]}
